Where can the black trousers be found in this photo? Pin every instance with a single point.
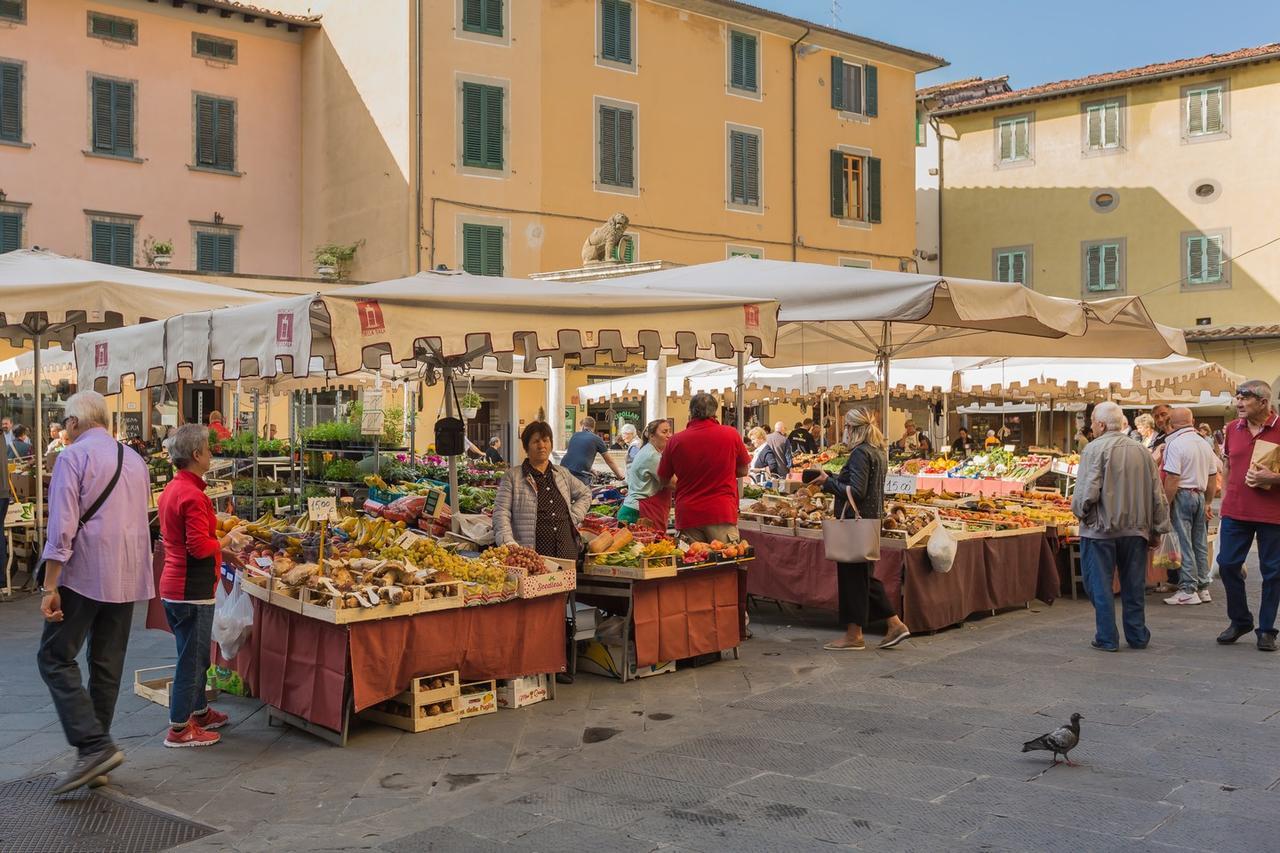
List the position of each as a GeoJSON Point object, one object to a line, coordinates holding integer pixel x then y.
{"type": "Point", "coordinates": [85, 714]}
{"type": "Point", "coordinates": [862, 596]}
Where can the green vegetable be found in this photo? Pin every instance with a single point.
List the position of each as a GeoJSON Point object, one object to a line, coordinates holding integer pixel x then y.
{"type": "Point", "coordinates": [342, 471]}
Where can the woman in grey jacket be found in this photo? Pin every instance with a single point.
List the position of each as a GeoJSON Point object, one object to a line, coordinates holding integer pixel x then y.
{"type": "Point", "coordinates": [540, 505]}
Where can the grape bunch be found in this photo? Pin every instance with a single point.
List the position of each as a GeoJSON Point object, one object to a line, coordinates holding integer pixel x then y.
{"type": "Point", "coordinates": [429, 554]}
{"type": "Point", "coordinates": [518, 557]}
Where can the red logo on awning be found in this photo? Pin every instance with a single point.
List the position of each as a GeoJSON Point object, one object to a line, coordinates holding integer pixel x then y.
{"type": "Point", "coordinates": [752, 315]}
{"type": "Point", "coordinates": [370, 313]}
{"type": "Point", "coordinates": [284, 327]}
{"type": "Point", "coordinates": [100, 354]}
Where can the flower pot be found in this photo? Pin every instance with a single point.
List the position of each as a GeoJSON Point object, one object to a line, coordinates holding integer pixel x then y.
{"type": "Point", "coordinates": [326, 271]}
{"type": "Point", "coordinates": [469, 413]}
{"type": "Point", "coordinates": [162, 261]}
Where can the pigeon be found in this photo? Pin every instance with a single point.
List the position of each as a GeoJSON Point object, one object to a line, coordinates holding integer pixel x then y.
{"type": "Point", "coordinates": [1059, 741]}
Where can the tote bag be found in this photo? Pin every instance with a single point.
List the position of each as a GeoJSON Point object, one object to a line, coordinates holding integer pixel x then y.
{"type": "Point", "coordinates": [851, 540]}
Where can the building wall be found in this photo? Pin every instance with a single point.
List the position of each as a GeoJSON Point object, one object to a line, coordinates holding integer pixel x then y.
{"type": "Point", "coordinates": [1047, 205]}
{"type": "Point", "coordinates": [60, 183]}
{"type": "Point", "coordinates": [928, 202]}
{"type": "Point", "coordinates": [545, 197]}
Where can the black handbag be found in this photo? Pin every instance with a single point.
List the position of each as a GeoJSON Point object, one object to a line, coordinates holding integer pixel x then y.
{"type": "Point", "coordinates": [451, 433]}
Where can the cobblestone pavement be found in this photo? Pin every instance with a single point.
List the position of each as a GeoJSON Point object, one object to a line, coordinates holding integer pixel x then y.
{"type": "Point", "coordinates": [790, 748]}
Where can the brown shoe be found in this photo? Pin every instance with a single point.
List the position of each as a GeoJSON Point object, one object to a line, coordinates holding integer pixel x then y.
{"type": "Point", "coordinates": [845, 646]}
{"type": "Point", "coordinates": [892, 640]}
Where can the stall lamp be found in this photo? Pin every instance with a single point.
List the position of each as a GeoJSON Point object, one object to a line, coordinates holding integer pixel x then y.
{"type": "Point", "coordinates": [4, 196]}
{"type": "Point", "coordinates": [217, 218]}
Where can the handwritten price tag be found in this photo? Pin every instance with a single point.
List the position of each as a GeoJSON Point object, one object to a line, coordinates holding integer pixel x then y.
{"type": "Point", "coordinates": [899, 484]}
{"type": "Point", "coordinates": [322, 509]}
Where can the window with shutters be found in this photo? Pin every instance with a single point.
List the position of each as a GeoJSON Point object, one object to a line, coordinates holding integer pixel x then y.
{"type": "Point", "coordinates": [483, 17]}
{"type": "Point", "coordinates": [1206, 260]}
{"type": "Point", "coordinates": [1102, 130]}
{"type": "Point", "coordinates": [112, 105]}
{"type": "Point", "coordinates": [482, 248]}
{"type": "Point", "coordinates": [10, 102]}
{"type": "Point", "coordinates": [13, 10]}
{"type": "Point", "coordinates": [483, 118]}
{"type": "Point", "coordinates": [616, 157]}
{"type": "Point", "coordinates": [10, 231]}
{"type": "Point", "coordinates": [215, 132]}
{"type": "Point", "coordinates": [744, 62]}
{"type": "Point", "coordinates": [1012, 264]}
{"type": "Point", "coordinates": [922, 126]}
{"type": "Point", "coordinates": [854, 88]}
{"type": "Point", "coordinates": [1205, 111]}
{"type": "Point", "coordinates": [625, 251]}
{"type": "Point", "coordinates": [215, 252]}
{"type": "Point", "coordinates": [112, 28]}
{"type": "Point", "coordinates": [744, 169]}
{"type": "Point", "coordinates": [213, 48]}
{"type": "Point", "coordinates": [1104, 267]}
{"type": "Point", "coordinates": [111, 242]}
{"type": "Point", "coordinates": [616, 32]}
{"type": "Point", "coordinates": [1015, 142]}
{"type": "Point", "coordinates": [855, 187]}
{"type": "Point", "coordinates": [744, 251]}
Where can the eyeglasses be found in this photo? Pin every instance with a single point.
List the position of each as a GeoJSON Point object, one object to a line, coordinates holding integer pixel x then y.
{"type": "Point", "coordinates": [1245, 393]}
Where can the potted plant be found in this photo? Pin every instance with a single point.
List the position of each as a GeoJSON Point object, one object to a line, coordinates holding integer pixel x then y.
{"type": "Point", "coordinates": [333, 260]}
{"type": "Point", "coordinates": [471, 404]}
{"type": "Point", "coordinates": [159, 253]}
{"type": "Point", "coordinates": [326, 265]}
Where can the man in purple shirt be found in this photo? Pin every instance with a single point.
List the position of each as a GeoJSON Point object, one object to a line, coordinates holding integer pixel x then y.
{"type": "Point", "coordinates": [95, 569]}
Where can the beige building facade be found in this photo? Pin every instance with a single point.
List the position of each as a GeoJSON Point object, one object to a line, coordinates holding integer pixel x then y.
{"type": "Point", "coordinates": [1149, 182]}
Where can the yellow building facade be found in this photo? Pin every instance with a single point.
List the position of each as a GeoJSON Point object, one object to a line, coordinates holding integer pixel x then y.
{"type": "Point", "coordinates": [1148, 182]}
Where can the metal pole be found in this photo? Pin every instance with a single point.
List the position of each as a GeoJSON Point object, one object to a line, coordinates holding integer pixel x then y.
{"type": "Point", "coordinates": [40, 427]}
{"type": "Point", "coordinates": [413, 424]}
{"type": "Point", "coordinates": [255, 453]}
{"type": "Point", "coordinates": [882, 356]}
{"type": "Point", "coordinates": [453, 460]}
{"type": "Point", "coordinates": [738, 390]}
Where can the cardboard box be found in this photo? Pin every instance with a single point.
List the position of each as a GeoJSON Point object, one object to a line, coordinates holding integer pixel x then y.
{"type": "Point", "coordinates": [525, 690]}
{"type": "Point", "coordinates": [597, 658]}
{"type": "Point", "coordinates": [478, 697]}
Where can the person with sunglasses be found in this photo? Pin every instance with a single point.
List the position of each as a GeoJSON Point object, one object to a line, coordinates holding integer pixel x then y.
{"type": "Point", "coordinates": [1250, 510]}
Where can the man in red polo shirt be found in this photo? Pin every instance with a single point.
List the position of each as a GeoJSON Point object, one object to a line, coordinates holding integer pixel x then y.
{"type": "Point", "coordinates": [1250, 507]}
{"type": "Point", "coordinates": [706, 459]}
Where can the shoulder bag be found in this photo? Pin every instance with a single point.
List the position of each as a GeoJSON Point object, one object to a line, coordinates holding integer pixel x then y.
{"type": "Point", "coordinates": [851, 540]}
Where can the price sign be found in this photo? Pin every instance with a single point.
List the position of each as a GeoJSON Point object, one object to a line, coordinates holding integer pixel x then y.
{"type": "Point", "coordinates": [371, 416]}
{"type": "Point", "coordinates": [322, 509]}
{"type": "Point", "coordinates": [264, 562]}
{"type": "Point", "coordinates": [899, 484]}
{"type": "Point", "coordinates": [1009, 448]}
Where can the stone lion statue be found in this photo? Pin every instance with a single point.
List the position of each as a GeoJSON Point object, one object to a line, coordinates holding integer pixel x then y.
{"type": "Point", "coordinates": [603, 241]}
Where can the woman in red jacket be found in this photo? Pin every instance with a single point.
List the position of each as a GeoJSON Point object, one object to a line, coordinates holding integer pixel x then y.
{"type": "Point", "coordinates": [192, 549]}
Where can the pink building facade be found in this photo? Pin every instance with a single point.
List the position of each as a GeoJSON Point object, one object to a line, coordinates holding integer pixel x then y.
{"type": "Point", "coordinates": [125, 123]}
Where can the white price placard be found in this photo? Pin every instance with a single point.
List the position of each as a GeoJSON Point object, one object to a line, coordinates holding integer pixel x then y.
{"type": "Point", "coordinates": [371, 416]}
{"type": "Point", "coordinates": [899, 484]}
{"type": "Point", "coordinates": [322, 509]}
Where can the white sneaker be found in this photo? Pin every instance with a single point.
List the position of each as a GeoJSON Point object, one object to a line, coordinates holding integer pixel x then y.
{"type": "Point", "coordinates": [1183, 598]}
{"type": "Point", "coordinates": [1205, 598]}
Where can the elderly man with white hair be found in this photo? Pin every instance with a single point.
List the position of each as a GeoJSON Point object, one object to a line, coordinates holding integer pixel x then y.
{"type": "Point", "coordinates": [97, 562]}
{"type": "Point", "coordinates": [1123, 512]}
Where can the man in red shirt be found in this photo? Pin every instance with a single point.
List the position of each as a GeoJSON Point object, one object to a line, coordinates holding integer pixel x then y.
{"type": "Point", "coordinates": [706, 459]}
{"type": "Point", "coordinates": [1250, 507]}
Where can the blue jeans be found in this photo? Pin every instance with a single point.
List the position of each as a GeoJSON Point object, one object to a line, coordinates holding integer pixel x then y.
{"type": "Point", "coordinates": [1192, 530]}
{"type": "Point", "coordinates": [1235, 538]}
{"type": "Point", "coordinates": [192, 626]}
{"type": "Point", "coordinates": [1100, 559]}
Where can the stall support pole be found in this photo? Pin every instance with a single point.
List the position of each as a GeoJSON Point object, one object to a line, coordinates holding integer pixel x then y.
{"type": "Point", "coordinates": [40, 428]}
{"type": "Point", "coordinates": [254, 472]}
{"type": "Point", "coordinates": [738, 402]}
{"type": "Point", "coordinates": [293, 444]}
{"type": "Point", "coordinates": [413, 423]}
{"type": "Point", "coordinates": [453, 460]}
{"type": "Point", "coordinates": [946, 417]}
{"type": "Point", "coordinates": [882, 358]}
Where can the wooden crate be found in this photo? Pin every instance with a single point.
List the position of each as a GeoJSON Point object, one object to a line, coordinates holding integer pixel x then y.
{"type": "Point", "coordinates": [273, 591]}
{"type": "Point", "coordinates": [478, 698]}
{"type": "Point", "coordinates": [408, 710]}
{"type": "Point", "coordinates": [900, 539]}
{"type": "Point", "coordinates": [153, 683]}
{"type": "Point", "coordinates": [809, 532]}
{"type": "Point", "coordinates": [648, 569]}
{"type": "Point", "coordinates": [452, 598]}
{"type": "Point", "coordinates": [319, 604]}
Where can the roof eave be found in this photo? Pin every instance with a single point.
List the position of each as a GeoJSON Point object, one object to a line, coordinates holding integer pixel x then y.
{"type": "Point", "coordinates": [1112, 84]}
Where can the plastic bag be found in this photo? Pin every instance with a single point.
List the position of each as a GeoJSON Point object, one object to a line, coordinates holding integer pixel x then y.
{"type": "Point", "coordinates": [1168, 556]}
{"type": "Point", "coordinates": [941, 549]}
{"type": "Point", "coordinates": [232, 619]}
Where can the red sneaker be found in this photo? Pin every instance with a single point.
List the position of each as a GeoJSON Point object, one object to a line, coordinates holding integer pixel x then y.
{"type": "Point", "coordinates": [210, 719]}
{"type": "Point", "coordinates": [192, 735]}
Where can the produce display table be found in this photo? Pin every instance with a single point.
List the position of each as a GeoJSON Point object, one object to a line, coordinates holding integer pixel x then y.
{"type": "Point", "coordinates": [697, 612]}
{"type": "Point", "coordinates": [970, 486]}
{"type": "Point", "coordinates": [988, 574]}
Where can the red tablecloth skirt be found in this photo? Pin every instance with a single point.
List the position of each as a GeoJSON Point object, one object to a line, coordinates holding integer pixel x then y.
{"type": "Point", "coordinates": [694, 613]}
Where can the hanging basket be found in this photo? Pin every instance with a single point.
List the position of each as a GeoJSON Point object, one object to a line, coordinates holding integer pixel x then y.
{"type": "Point", "coordinates": [469, 413]}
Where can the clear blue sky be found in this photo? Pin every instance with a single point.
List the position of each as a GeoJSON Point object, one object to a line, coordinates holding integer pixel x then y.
{"type": "Point", "coordinates": [1038, 42]}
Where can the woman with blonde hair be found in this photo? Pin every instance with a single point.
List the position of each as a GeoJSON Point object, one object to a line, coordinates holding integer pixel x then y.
{"type": "Point", "coordinates": [861, 595]}
{"type": "Point", "coordinates": [1145, 427]}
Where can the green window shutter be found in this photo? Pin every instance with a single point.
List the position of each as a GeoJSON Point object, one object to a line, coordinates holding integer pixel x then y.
{"type": "Point", "coordinates": [873, 189]}
{"type": "Point", "coordinates": [113, 117]}
{"type": "Point", "coordinates": [615, 30]}
{"type": "Point", "coordinates": [212, 48]}
{"type": "Point", "coordinates": [872, 100]}
{"type": "Point", "coordinates": [1093, 268]}
{"type": "Point", "coordinates": [1195, 111]}
{"type": "Point", "coordinates": [11, 102]}
{"type": "Point", "coordinates": [1018, 269]}
{"type": "Point", "coordinates": [100, 242]}
{"type": "Point", "coordinates": [482, 126]}
{"type": "Point", "coordinates": [1213, 110]}
{"type": "Point", "coordinates": [1021, 139]}
{"type": "Point", "coordinates": [224, 141]}
{"type": "Point", "coordinates": [626, 148]}
{"type": "Point", "coordinates": [206, 252]}
{"type": "Point", "coordinates": [226, 253]}
{"type": "Point", "coordinates": [473, 16]}
{"type": "Point", "coordinates": [493, 127]}
{"type": "Point", "coordinates": [837, 83]}
{"type": "Point", "coordinates": [112, 243]}
{"type": "Point", "coordinates": [624, 31]}
{"type": "Point", "coordinates": [11, 10]}
{"type": "Point", "coordinates": [742, 61]}
{"type": "Point", "coordinates": [103, 125]}
{"type": "Point", "coordinates": [1004, 266]}
{"type": "Point", "coordinates": [10, 232]}
{"type": "Point", "coordinates": [752, 64]}
{"type": "Point", "coordinates": [625, 251]}
{"type": "Point", "coordinates": [493, 17]}
{"type": "Point", "coordinates": [608, 145]}
{"type": "Point", "coordinates": [1111, 126]}
{"type": "Point", "coordinates": [1094, 119]}
{"type": "Point", "coordinates": [837, 184]}
{"type": "Point", "coordinates": [206, 121]}
{"type": "Point", "coordinates": [737, 167]}
{"type": "Point", "coordinates": [1006, 140]}
{"type": "Point", "coordinates": [1204, 260]}
{"type": "Point", "coordinates": [472, 249]}
{"type": "Point", "coordinates": [751, 164]}
{"type": "Point", "coordinates": [1110, 266]}
{"type": "Point", "coordinates": [1213, 259]}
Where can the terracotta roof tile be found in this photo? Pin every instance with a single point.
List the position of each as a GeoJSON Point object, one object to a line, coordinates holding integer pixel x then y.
{"type": "Point", "coordinates": [1112, 78]}
{"type": "Point", "coordinates": [1209, 333]}
{"type": "Point", "coordinates": [250, 9]}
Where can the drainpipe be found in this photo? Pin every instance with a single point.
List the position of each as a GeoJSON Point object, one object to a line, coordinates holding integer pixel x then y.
{"type": "Point", "coordinates": [795, 217]}
{"type": "Point", "coordinates": [937, 134]}
{"type": "Point", "coordinates": [417, 153]}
